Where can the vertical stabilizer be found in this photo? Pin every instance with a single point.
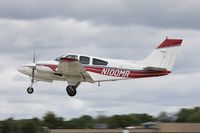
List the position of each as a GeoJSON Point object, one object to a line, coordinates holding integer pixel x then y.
{"type": "Point", "coordinates": [163, 56]}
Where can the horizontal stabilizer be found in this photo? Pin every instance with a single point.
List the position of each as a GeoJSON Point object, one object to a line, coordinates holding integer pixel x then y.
{"type": "Point", "coordinates": [155, 68]}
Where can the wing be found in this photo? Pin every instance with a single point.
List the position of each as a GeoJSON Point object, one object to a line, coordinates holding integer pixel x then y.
{"type": "Point", "coordinates": [73, 71]}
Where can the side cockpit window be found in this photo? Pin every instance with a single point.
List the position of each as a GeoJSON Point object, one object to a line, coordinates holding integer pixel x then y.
{"type": "Point", "coordinates": [99, 62]}
{"type": "Point", "coordinates": [67, 56]}
{"type": "Point", "coordinates": [72, 57]}
{"type": "Point", "coordinates": [84, 60]}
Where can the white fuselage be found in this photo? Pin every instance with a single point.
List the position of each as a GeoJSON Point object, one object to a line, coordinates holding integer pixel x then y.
{"type": "Point", "coordinates": [76, 68]}
{"type": "Point", "coordinates": [115, 69]}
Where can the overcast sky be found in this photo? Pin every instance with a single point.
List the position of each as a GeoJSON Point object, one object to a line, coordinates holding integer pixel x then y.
{"type": "Point", "coordinates": [127, 29]}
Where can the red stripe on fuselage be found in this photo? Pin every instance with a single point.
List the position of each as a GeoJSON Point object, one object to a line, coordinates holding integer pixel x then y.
{"type": "Point", "coordinates": [118, 72]}
{"type": "Point", "coordinates": [126, 73]}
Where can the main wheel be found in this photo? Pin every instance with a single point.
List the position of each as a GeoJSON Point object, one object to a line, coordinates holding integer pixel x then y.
{"type": "Point", "coordinates": [71, 90]}
{"type": "Point", "coordinates": [30, 90]}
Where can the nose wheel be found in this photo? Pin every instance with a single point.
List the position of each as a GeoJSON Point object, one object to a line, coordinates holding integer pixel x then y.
{"type": "Point", "coordinates": [71, 90]}
{"type": "Point", "coordinates": [30, 90]}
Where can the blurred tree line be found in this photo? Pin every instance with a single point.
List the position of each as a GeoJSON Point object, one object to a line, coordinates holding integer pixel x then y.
{"type": "Point", "coordinates": [52, 121]}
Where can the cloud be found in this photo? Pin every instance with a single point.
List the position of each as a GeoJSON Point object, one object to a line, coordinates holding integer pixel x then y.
{"type": "Point", "coordinates": [163, 14]}
{"type": "Point", "coordinates": [113, 29]}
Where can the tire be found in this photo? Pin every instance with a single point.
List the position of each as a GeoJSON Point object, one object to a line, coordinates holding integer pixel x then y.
{"type": "Point", "coordinates": [71, 90]}
{"type": "Point", "coordinates": [30, 90]}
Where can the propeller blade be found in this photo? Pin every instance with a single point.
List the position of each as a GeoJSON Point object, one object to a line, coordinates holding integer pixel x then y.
{"type": "Point", "coordinates": [34, 58]}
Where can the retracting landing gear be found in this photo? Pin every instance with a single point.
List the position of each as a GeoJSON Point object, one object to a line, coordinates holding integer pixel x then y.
{"type": "Point", "coordinates": [71, 89]}
{"type": "Point", "coordinates": [30, 90]}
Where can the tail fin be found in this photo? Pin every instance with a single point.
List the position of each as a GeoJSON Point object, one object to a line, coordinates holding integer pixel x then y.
{"type": "Point", "coordinates": [163, 56]}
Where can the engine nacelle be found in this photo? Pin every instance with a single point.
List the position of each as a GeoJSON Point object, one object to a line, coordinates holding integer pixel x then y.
{"type": "Point", "coordinates": [44, 69]}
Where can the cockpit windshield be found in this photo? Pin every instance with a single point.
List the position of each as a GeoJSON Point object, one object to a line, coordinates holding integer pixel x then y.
{"type": "Point", "coordinates": [67, 56]}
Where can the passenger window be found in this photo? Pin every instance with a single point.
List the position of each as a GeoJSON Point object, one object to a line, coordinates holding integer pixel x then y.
{"type": "Point", "coordinates": [84, 60]}
{"type": "Point", "coordinates": [99, 62]}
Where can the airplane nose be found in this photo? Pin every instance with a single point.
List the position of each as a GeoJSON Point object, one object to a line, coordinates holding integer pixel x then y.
{"type": "Point", "coordinates": [21, 69]}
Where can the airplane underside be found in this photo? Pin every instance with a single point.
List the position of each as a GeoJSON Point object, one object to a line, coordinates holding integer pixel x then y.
{"type": "Point", "coordinates": [98, 74]}
{"type": "Point", "coordinates": [101, 74]}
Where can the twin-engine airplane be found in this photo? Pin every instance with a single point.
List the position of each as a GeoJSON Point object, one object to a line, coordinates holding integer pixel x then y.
{"type": "Point", "coordinates": [76, 68]}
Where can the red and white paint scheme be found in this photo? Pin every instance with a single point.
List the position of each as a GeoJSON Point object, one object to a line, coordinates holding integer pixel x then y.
{"type": "Point", "coordinates": [76, 68]}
